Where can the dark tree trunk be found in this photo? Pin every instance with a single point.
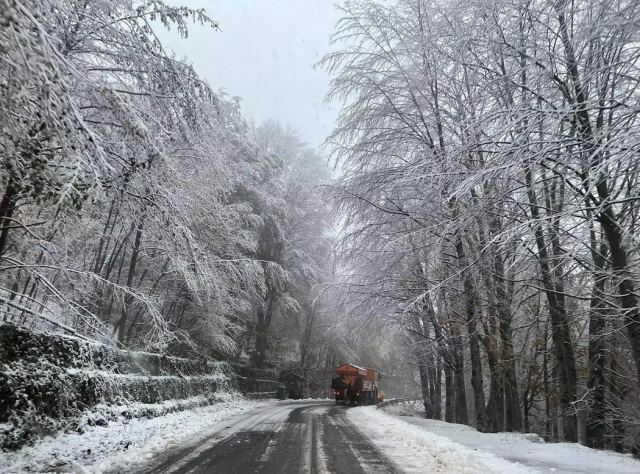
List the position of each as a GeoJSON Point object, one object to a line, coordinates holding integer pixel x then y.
{"type": "Point", "coordinates": [461, 415]}
{"type": "Point", "coordinates": [503, 407]}
{"type": "Point", "coordinates": [495, 403]}
{"type": "Point", "coordinates": [106, 233]}
{"type": "Point", "coordinates": [264, 316]}
{"type": "Point", "coordinates": [442, 361]}
{"type": "Point", "coordinates": [308, 332]}
{"type": "Point", "coordinates": [259, 356]}
{"type": "Point", "coordinates": [433, 383]}
{"type": "Point", "coordinates": [449, 395]}
{"type": "Point", "coordinates": [437, 392]}
{"type": "Point", "coordinates": [7, 206]}
{"type": "Point", "coordinates": [618, 390]}
{"type": "Point", "coordinates": [425, 386]}
{"type": "Point", "coordinates": [560, 330]}
{"type": "Point", "coordinates": [495, 406]}
{"type": "Point", "coordinates": [477, 382]}
{"type": "Point", "coordinates": [547, 386]}
{"type": "Point", "coordinates": [508, 375]}
{"type": "Point", "coordinates": [597, 349]}
{"type": "Point", "coordinates": [513, 416]}
{"type": "Point", "coordinates": [128, 299]}
{"type": "Point", "coordinates": [422, 351]}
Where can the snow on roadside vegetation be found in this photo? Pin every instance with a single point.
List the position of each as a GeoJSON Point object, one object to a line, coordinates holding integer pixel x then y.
{"type": "Point", "coordinates": [531, 450]}
{"type": "Point", "coordinates": [124, 443]}
{"type": "Point", "coordinates": [413, 449]}
{"type": "Point", "coordinates": [405, 409]}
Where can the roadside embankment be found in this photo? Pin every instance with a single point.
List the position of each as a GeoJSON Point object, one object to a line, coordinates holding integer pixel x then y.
{"type": "Point", "coordinates": [51, 383]}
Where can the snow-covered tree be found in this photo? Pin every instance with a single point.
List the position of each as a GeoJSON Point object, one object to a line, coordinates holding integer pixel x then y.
{"type": "Point", "coordinates": [488, 198]}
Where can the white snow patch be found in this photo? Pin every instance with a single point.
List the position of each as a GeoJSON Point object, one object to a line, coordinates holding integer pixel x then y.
{"type": "Point", "coordinates": [530, 449]}
{"type": "Point", "coordinates": [414, 449]}
{"type": "Point", "coordinates": [122, 444]}
{"type": "Point", "coordinates": [217, 376]}
{"type": "Point", "coordinates": [405, 409]}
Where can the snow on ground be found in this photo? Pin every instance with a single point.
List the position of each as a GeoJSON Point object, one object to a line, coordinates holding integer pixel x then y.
{"type": "Point", "coordinates": [415, 450]}
{"type": "Point", "coordinates": [531, 450]}
{"type": "Point", "coordinates": [406, 409]}
{"type": "Point", "coordinates": [419, 445]}
{"type": "Point", "coordinates": [122, 444]}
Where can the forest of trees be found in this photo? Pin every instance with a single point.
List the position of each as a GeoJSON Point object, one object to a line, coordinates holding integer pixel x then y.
{"type": "Point", "coordinates": [138, 207]}
{"type": "Point", "coordinates": [483, 209]}
{"type": "Point", "coordinates": [489, 200]}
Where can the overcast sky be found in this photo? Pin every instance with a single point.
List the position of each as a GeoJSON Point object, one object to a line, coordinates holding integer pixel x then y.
{"type": "Point", "coordinates": [265, 54]}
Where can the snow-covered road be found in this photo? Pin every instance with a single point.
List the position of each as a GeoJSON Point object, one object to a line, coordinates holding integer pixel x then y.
{"type": "Point", "coordinates": [318, 437]}
{"type": "Point", "coordinates": [288, 437]}
{"type": "Point", "coordinates": [307, 436]}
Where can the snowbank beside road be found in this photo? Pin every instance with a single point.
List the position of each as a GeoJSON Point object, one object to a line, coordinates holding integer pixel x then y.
{"type": "Point", "coordinates": [414, 449]}
{"type": "Point", "coordinates": [420, 445]}
{"type": "Point", "coordinates": [122, 444]}
{"type": "Point", "coordinates": [531, 450]}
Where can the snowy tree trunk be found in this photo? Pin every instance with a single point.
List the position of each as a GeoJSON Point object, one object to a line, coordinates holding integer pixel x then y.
{"type": "Point", "coordinates": [472, 329]}
{"type": "Point", "coordinates": [7, 207]}
{"type": "Point", "coordinates": [121, 325]}
{"type": "Point", "coordinates": [560, 331]}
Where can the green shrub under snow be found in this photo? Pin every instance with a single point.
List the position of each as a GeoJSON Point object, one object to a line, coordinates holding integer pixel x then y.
{"type": "Point", "coordinates": [50, 383]}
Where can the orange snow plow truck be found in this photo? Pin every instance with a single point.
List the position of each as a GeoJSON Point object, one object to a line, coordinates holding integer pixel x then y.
{"type": "Point", "coordinates": [356, 385]}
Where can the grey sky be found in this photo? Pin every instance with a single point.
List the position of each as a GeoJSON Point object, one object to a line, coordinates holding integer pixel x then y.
{"type": "Point", "coordinates": [264, 54]}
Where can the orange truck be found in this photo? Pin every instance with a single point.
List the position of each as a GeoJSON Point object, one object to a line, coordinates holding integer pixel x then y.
{"type": "Point", "coordinates": [355, 385]}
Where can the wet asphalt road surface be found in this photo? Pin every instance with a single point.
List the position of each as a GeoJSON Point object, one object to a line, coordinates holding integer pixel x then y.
{"type": "Point", "coordinates": [288, 437]}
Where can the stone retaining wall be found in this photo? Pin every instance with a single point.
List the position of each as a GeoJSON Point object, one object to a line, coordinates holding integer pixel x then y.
{"type": "Point", "coordinates": [52, 382]}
